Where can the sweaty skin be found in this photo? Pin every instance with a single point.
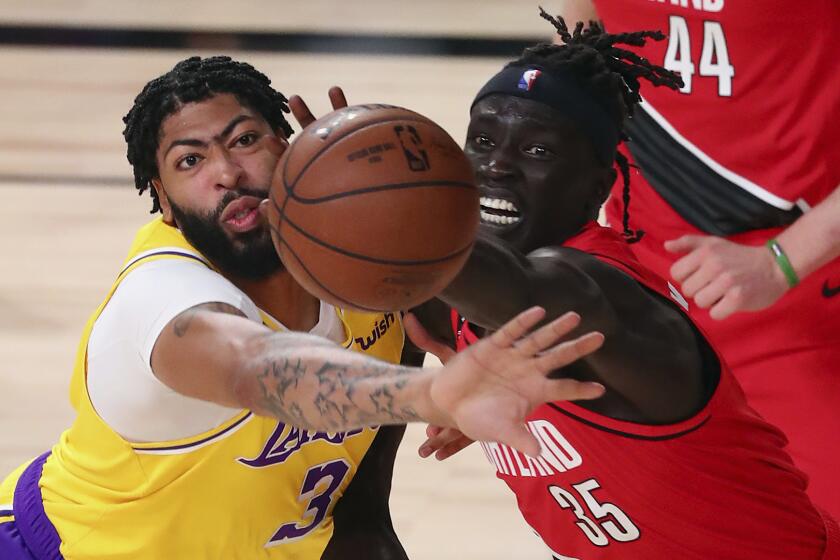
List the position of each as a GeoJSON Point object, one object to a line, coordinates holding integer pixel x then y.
{"type": "Point", "coordinates": [527, 153]}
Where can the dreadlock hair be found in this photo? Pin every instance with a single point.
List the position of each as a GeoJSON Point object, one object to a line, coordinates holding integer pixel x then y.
{"type": "Point", "coordinates": [608, 72]}
{"type": "Point", "coordinates": [192, 80]}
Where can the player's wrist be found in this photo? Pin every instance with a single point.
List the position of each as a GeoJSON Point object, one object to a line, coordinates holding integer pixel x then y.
{"type": "Point", "coordinates": [427, 408]}
{"type": "Point", "coordinates": [783, 272]}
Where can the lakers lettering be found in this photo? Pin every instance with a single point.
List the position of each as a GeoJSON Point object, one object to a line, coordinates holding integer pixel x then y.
{"type": "Point", "coordinates": [285, 441]}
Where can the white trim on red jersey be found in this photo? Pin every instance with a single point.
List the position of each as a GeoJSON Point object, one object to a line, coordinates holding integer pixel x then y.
{"type": "Point", "coordinates": [755, 190]}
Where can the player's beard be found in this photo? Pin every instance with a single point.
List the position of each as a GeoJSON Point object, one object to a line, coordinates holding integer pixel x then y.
{"type": "Point", "coordinates": [249, 255]}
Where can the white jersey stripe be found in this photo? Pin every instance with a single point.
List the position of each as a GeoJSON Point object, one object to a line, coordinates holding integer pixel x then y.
{"type": "Point", "coordinates": [755, 190]}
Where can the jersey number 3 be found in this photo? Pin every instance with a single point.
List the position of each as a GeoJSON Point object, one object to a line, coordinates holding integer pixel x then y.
{"type": "Point", "coordinates": [603, 520]}
{"type": "Point", "coordinates": [714, 58]}
{"type": "Point", "coordinates": [326, 474]}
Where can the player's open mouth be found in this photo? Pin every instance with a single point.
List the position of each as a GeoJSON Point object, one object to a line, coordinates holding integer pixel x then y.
{"type": "Point", "coordinates": [242, 214]}
{"type": "Point", "coordinates": [499, 211]}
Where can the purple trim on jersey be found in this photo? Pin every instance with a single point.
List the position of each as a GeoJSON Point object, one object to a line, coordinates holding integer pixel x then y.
{"type": "Point", "coordinates": [6, 512]}
{"type": "Point", "coordinates": [37, 532]}
{"type": "Point", "coordinates": [193, 444]}
{"type": "Point", "coordinates": [663, 437]}
{"type": "Point", "coordinates": [178, 253]}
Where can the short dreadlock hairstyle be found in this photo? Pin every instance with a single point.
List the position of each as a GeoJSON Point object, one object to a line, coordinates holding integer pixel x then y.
{"type": "Point", "coordinates": [192, 80]}
{"type": "Point", "coordinates": [609, 73]}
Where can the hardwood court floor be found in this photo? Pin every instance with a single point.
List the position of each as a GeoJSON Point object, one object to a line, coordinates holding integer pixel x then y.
{"type": "Point", "coordinates": [68, 214]}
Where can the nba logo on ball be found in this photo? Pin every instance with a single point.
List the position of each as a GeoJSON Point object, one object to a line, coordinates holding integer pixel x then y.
{"type": "Point", "coordinates": [529, 77]}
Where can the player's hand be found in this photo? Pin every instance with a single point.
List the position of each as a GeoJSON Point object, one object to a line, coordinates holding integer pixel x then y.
{"type": "Point", "coordinates": [726, 277]}
{"type": "Point", "coordinates": [425, 341]}
{"type": "Point", "coordinates": [301, 111]}
{"type": "Point", "coordinates": [443, 442]}
{"type": "Point", "coordinates": [489, 389]}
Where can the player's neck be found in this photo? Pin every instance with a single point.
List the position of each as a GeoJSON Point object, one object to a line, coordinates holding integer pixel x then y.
{"type": "Point", "coordinates": [284, 299]}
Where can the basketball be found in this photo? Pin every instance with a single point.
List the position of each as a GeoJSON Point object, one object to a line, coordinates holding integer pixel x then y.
{"type": "Point", "coordinates": [374, 208]}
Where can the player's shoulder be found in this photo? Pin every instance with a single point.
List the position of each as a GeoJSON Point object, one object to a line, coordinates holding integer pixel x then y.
{"type": "Point", "coordinates": [558, 252]}
{"type": "Point", "coordinates": [177, 273]}
{"type": "Point", "coordinates": [177, 283]}
{"type": "Point", "coordinates": [550, 262]}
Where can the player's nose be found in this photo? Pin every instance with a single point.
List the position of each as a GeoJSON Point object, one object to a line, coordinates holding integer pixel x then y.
{"type": "Point", "coordinates": [227, 169]}
{"type": "Point", "coordinates": [496, 168]}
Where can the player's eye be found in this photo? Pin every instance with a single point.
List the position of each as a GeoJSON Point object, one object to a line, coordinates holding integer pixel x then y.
{"type": "Point", "coordinates": [246, 139]}
{"type": "Point", "coordinates": [539, 151]}
{"type": "Point", "coordinates": [483, 140]}
{"type": "Point", "coordinates": [188, 161]}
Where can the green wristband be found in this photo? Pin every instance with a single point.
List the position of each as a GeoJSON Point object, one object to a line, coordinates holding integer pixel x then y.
{"type": "Point", "coordinates": [783, 262]}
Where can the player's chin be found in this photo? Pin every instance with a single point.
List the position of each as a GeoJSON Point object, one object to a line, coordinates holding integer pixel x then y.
{"type": "Point", "coordinates": [517, 236]}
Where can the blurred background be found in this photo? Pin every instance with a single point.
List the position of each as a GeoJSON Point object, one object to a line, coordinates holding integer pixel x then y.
{"type": "Point", "coordinates": [69, 71]}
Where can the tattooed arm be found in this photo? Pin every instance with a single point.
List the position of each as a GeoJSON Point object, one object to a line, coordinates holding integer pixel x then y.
{"type": "Point", "coordinates": [212, 352]}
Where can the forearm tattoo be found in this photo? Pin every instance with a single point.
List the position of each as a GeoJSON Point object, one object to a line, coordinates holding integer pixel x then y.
{"type": "Point", "coordinates": [311, 383]}
{"type": "Point", "coordinates": [308, 381]}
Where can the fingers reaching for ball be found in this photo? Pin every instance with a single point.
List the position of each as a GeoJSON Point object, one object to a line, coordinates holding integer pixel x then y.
{"type": "Point", "coordinates": [337, 98]}
{"type": "Point", "coordinates": [303, 114]}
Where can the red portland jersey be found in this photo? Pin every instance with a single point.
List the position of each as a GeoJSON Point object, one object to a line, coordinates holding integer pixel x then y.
{"type": "Point", "coordinates": [753, 135]}
{"type": "Point", "coordinates": [763, 83]}
{"type": "Point", "coordinates": [716, 486]}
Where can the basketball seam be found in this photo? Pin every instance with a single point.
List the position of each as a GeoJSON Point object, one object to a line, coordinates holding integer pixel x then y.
{"type": "Point", "coordinates": [290, 194]}
{"type": "Point", "coordinates": [314, 278]}
{"type": "Point", "coordinates": [347, 253]}
{"type": "Point", "coordinates": [379, 188]}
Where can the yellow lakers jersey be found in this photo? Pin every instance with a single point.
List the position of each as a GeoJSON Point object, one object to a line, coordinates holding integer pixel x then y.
{"type": "Point", "coordinates": [250, 488]}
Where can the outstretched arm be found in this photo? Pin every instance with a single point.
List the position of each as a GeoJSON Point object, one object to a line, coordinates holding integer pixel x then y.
{"type": "Point", "coordinates": [651, 356]}
{"type": "Point", "coordinates": [211, 352]}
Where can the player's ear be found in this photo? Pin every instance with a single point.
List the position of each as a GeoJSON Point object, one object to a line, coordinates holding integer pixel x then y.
{"type": "Point", "coordinates": [163, 200]}
{"type": "Point", "coordinates": [605, 181]}
{"type": "Point", "coordinates": [601, 183]}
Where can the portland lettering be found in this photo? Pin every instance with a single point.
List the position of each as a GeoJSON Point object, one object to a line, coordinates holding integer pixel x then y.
{"type": "Point", "coordinates": [557, 454]}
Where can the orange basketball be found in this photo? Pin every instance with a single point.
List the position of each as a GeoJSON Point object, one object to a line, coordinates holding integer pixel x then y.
{"type": "Point", "coordinates": [374, 208]}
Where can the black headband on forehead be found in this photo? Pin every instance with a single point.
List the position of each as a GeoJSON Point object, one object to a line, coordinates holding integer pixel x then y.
{"type": "Point", "coordinates": [562, 93]}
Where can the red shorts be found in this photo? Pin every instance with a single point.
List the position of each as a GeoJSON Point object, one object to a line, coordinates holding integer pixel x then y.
{"type": "Point", "coordinates": [787, 357]}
